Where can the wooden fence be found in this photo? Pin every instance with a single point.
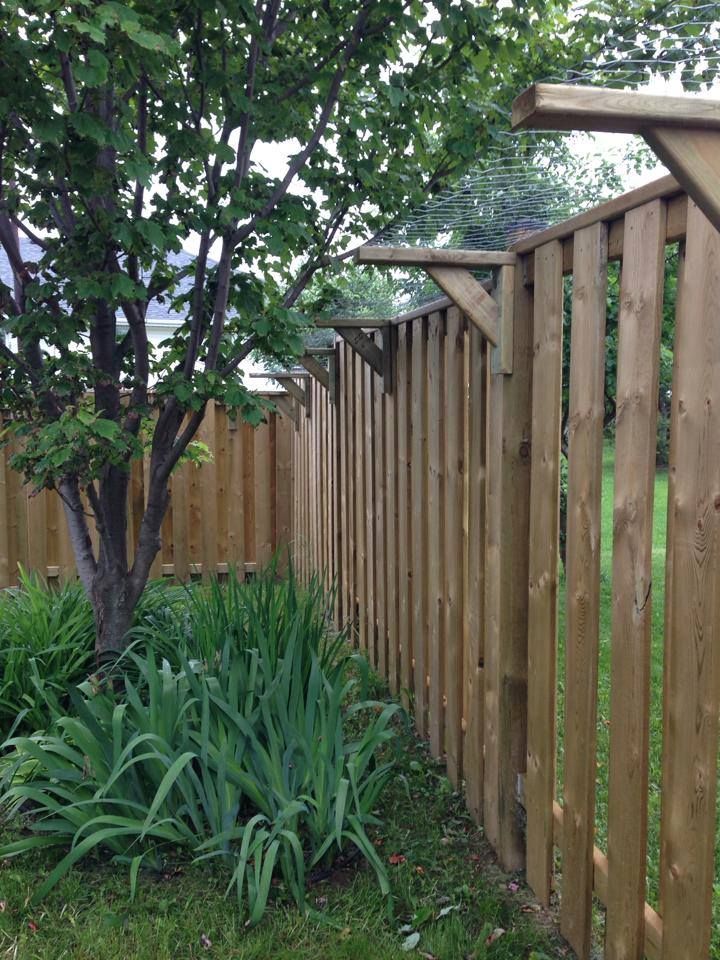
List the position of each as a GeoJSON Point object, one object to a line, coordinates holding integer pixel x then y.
{"type": "Point", "coordinates": [435, 505]}
{"type": "Point", "coordinates": [429, 491]}
{"type": "Point", "coordinates": [233, 510]}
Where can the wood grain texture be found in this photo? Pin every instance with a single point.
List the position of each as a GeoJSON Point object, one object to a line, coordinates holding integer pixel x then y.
{"type": "Point", "coordinates": [543, 565]}
{"type": "Point", "coordinates": [470, 296]}
{"type": "Point", "coordinates": [558, 106]}
{"type": "Point", "coordinates": [435, 568]}
{"type": "Point", "coordinates": [474, 709]}
{"type": "Point", "coordinates": [392, 571]}
{"type": "Point", "coordinates": [639, 326]}
{"type": "Point", "coordinates": [381, 531]}
{"type": "Point", "coordinates": [369, 514]}
{"type": "Point", "coordinates": [693, 157]}
{"type": "Point", "coordinates": [692, 652]}
{"type": "Point", "coordinates": [403, 395]}
{"type": "Point", "coordinates": [585, 426]}
{"type": "Point", "coordinates": [506, 596]}
{"type": "Point", "coordinates": [418, 513]}
{"type": "Point", "coordinates": [360, 501]}
{"type": "Point", "coordinates": [653, 922]}
{"type": "Point", "coordinates": [453, 416]}
{"type": "Point", "coordinates": [422, 256]}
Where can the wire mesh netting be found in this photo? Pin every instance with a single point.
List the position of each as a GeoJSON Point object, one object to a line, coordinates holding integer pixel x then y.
{"type": "Point", "coordinates": [530, 181]}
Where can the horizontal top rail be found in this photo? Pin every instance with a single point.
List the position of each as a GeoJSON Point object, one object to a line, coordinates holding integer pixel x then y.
{"type": "Point", "coordinates": [662, 188]}
{"type": "Point", "coordinates": [434, 256]}
{"type": "Point", "coordinates": [566, 106]}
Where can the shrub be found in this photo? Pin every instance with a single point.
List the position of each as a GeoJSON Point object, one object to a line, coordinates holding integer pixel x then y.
{"type": "Point", "coordinates": [46, 643]}
{"type": "Point", "coordinates": [200, 620]}
{"type": "Point", "coordinates": [243, 756]}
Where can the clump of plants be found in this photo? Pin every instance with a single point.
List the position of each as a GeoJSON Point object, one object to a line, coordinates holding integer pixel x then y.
{"type": "Point", "coordinates": [46, 643]}
{"type": "Point", "coordinates": [237, 740]}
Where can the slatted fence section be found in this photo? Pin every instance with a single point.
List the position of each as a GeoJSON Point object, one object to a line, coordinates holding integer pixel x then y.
{"type": "Point", "coordinates": [234, 510]}
{"type": "Point", "coordinates": [636, 233]}
{"type": "Point", "coordinates": [446, 494]}
{"type": "Point", "coordinates": [408, 495]}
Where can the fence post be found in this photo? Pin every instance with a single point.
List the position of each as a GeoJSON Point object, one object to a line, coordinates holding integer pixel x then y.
{"type": "Point", "coordinates": [692, 613]}
{"type": "Point", "coordinates": [506, 595]}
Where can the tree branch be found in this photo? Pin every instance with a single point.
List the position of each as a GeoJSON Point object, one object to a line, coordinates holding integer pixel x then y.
{"type": "Point", "coordinates": [242, 233]}
{"type": "Point", "coordinates": [79, 533]}
{"type": "Point", "coordinates": [68, 82]}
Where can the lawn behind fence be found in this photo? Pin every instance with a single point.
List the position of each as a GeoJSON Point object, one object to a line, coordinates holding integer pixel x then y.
{"type": "Point", "coordinates": [656, 681]}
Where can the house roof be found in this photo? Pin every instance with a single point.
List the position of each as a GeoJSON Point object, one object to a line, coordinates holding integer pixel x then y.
{"type": "Point", "coordinates": [159, 311]}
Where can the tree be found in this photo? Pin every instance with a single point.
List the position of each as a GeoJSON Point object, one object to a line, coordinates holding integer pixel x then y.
{"type": "Point", "coordinates": [128, 129]}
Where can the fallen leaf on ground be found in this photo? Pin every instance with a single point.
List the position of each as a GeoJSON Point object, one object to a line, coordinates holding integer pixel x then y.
{"type": "Point", "coordinates": [410, 942]}
{"type": "Point", "coordinates": [396, 858]}
{"type": "Point", "coordinates": [495, 935]}
{"type": "Point", "coordinates": [446, 910]}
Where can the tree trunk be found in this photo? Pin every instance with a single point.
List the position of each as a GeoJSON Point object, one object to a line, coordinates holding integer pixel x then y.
{"type": "Point", "coordinates": [113, 604]}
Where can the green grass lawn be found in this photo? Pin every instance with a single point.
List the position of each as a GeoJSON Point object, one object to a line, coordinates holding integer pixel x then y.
{"type": "Point", "coordinates": [656, 677]}
{"type": "Point", "coordinates": [445, 886]}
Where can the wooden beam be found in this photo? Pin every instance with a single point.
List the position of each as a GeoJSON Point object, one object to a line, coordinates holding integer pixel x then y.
{"type": "Point", "coordinates": [276, 374]}
{"type": "Point", "coordinates": [692, 599]}
{"type": "Point", "coordinates": [361, 323]}
{"type": "Point", "coordinates": [653, 922]}
{"type": "Point", "coordinates": [292, 388]}
{"type": "Point", "coordinates": [503, 292]}
{"type": "Point", "coordinates": [662, 188]}
{"type": "Point", "coordinates": [286, 405]}
{"type": "Point", "coordinates": [549, 106]}
{"type": "Point", "coordinates": [364, 346]}
{"type": "Point", "coordinates": [585, 441]}
{"type": "Point", "coordinates": [543, 565]}
{"type": "Point", "coordinates": [693, 157]}
{"type": "Point", "coordinates": [389, 346]}
{"type": "Point", "coordinates": [471, 297]}
{"type": "Point", "coordinates": [429, 256]}
{"type": "Point", "coordinates": [334, 376]}
{"type": "Point", "coordinates": [315, 369]}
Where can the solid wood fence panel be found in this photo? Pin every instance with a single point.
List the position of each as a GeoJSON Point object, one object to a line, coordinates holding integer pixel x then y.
{"type": "Point", "coordinates": [543, 565]}
{"type": "Point", "coordinates": [282, 499]}
{"type": "Point", "coordinates": [346, 613]}
{"type": "Point", "coordinates": [369, 511]}
{"type": "Point", "coordinates": [347, 398]}
{"type": "Point", "coordinates": [381, 532]}
{"type": "Point", "coordinates": [453, 415]}
{"type": "Point", "coordinates": [509, 425]}
{"type": "Point", "coordinates": [434, 512]}
{"type": "Point", "coordinates": [208, 510]}
{"type": "Point", "coordinates": [692, 651]}
{"type": "Point", "coordinates": [403, 393]}
{"type": "Point", "coordinates": [392, 573]}
{"type": "Point", "coordinates": [585, 428]}
{"type": "Point", "coordinates": [474, 626]}
{"type": "Point", "coordinates": [458, 573]}
{"type": "Point", "coordinates": [360, 484]}
{"type": "Point", "coordinates": [418, 513]}
{"type": "Point", "coordinates": [4, 519]}
{"type": "Point", "coordinates": [204, 531]}
{"type": "Point", "coordinates": [236, 498]}
{"type": "Point", "coordinates": [639, 325]}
